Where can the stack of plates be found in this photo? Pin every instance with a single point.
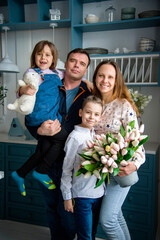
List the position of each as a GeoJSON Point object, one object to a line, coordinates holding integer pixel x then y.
{"type": "Point", "coordinates": [94, 50]}
{"type": "Point", "coordinates": [128, 13]}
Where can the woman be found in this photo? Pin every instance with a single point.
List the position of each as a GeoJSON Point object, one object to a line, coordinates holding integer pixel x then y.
{"type": "Point", "coordinates": [119, 109]}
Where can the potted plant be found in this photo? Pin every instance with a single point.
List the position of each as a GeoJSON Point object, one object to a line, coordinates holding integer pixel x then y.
{"type": "Point", "coordinates": [3, 94]}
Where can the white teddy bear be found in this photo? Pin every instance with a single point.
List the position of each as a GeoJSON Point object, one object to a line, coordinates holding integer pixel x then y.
{"type": "Point", "coordinates": [25, 103]}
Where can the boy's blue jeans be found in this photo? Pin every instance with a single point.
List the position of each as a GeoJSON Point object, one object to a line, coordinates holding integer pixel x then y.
{"type": "Point", "coordinates": [86, 213]}
{"type": "Point", "coordinates": [60, 222]}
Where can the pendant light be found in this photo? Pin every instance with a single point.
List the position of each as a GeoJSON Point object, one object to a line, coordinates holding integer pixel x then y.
{"type": "Point", "coordinates": [6, 65]}
{"type": "Point", "coordinates": [60, 64]}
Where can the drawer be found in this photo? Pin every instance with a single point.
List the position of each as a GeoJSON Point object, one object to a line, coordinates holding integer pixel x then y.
{"type": "Point", "coordinates": [145, 183]}
{"type": "Point", "coordinates": [30, 215]}
{"type": "Point", "coordinates": [13, 164]}
{"type": "Point", "coordinates": [138, 218]}
{"type": "Point", "coordinates": [19, 151]}
{"type": "Point", "coordinates": [1, 202]}
{"type": "Point", "coordinates": [138, 199]}
{"type": "Point", "coordinates": [31, 199]}
{"type": "Point", "coordinates": [30, 182]}
{"type": "Point", "coordinates": [141, 234]}
{"type": "Point", "coordinates": [1, 150]}
{"type": "Point", "coordinates": [149, 164]}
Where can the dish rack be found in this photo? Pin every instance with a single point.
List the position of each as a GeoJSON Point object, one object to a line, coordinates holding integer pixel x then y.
{"type": "Point", "coordinates": [137, 69]}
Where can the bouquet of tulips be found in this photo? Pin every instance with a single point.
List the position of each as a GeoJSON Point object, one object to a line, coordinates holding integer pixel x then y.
{"type": "Point", "coordinates": [106, 153]}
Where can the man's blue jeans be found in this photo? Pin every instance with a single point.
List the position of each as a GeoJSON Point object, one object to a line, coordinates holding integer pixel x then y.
{"type": "Point", "coordinates": [60, 222]}
{"type": "Point", "coordinates": [86, 213]}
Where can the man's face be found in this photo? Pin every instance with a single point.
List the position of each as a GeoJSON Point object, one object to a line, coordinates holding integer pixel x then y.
{"type": "Point", "coordinates": [76, 66]}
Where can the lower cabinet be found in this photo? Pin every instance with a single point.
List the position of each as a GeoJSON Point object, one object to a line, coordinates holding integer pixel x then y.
{"type": "Point", "coordinates": [139, 208]}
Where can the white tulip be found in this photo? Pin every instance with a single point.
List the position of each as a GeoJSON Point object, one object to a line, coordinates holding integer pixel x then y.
{"type": "Point", "coordinates": [86, 163]}
{"type": "Point", "coordinates": [87, 174]}
{"type": "Point", "coordinates": [96, 173]}
{"type": "Point", "coordinates": [124, 151]}
{"type": "Point", "coordinates": [123, 163]}
{"type": "Point", "coordinates": [141, 129]}
{"type": "Point", "coordinates": [104, 170]}
{"type": "Point", "coordinates": [104, 159]}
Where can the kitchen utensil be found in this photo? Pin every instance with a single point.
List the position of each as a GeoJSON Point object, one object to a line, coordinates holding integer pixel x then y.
{"type": "Point", "coordinates": [128, 10]}
{"type": "Point", "coordinates": [148, 14]}
{"type": "Point", "coordinates": [94, 50]}
{"type": "Point", "coordinates": [91, 18]}
{"type": "Point", "coordinates": [110, 14]}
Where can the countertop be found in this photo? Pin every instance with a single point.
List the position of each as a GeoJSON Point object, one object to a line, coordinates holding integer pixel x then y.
{"type": "Point", "coordinates": [150, 147]}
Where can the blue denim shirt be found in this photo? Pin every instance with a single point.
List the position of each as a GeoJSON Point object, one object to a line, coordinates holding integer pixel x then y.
{"type": "Point", "coordinates": [47, 100]}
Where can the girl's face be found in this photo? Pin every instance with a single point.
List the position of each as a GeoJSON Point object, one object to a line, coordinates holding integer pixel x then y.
{"type": "Point", "coordinates": [44, 59]}
{"type": "Point", "coordinates": [90, 114]}
{"type": "Point", "coordinates": [105, 79]}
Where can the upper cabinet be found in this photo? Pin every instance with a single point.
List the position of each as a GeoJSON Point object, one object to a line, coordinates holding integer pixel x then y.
{"type": "Point", "coordinates": [34, 14]}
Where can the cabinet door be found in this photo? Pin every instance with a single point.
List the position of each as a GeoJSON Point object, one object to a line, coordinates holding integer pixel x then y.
{"type": "Point", "coordinates": [2, 182]}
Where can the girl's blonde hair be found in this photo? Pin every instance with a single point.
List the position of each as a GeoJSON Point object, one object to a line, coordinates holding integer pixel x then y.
{"type": "Point", "coordinates": [39, 47]}
{"type": "Point", "coordinates": [120, 89]}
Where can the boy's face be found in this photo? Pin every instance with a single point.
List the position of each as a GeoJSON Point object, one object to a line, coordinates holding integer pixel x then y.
{"type": "Point", "coordinates": [90, 114]}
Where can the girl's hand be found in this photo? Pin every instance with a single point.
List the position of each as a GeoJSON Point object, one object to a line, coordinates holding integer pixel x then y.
{"type": "Point", "coordinates": [124, 171]}
{"type": "Point", "coordinates": [68, 206]}
{"type": "Point", "coordinates": [28, 90]}
{"type": "Point", "coordinates": [49, 128]}
{"type": "Point", "coordinates": [89, 85]}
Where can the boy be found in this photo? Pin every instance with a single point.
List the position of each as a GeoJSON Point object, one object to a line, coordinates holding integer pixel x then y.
{"type": "Point", "coordinates": [87, 198]}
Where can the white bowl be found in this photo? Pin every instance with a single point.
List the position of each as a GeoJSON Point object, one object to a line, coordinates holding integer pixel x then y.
{"type": "Point", "coordinates": [91, 18]}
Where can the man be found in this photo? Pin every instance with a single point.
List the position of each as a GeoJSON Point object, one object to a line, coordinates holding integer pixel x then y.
{"type": "Point", "coordinates": [73, 92]}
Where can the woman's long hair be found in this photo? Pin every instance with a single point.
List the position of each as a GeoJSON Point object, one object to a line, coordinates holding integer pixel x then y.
{"type": "Point", "coordinates": [120, 90]}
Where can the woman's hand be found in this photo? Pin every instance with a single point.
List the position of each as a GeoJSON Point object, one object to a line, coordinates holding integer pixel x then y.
{"type": "Point", "coordinates": [68, 205]}
{"type": "Point", "coordinates": [28, 90]}
{"type": "Point", "coordinates": [89, 85]}
{"type": "Point", "coordinates": [124, 171]}
{"type": "Point", "coordinates": [49, 128]}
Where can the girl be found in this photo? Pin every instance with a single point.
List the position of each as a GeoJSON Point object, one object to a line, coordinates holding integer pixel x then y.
{"type": "Point", "coordinates": [119, 110]}
{"type": "Point", "coordinates": [43, 61]}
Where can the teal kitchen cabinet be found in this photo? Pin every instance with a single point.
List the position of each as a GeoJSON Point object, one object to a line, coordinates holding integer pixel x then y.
{"type": "Point", "coordinates": [29, 209]}
{"type": "Point", "coordinates": [140, 206]}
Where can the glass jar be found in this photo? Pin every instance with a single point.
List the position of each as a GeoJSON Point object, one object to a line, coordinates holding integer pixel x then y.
{"type": "Point", "coordinates": [110, 14]}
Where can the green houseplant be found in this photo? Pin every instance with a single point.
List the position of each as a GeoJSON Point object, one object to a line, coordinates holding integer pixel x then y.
{"type": "Point", "coordinates": [3, 94]}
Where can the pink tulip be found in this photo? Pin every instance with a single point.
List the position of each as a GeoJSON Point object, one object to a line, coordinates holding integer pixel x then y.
{"type": "Point", "coordinates": [104, 160]}
{"type": "Point", "coordinates": [135, 143]}
{"type": "Point", "coordinates": [114, 152]}
{"type": "Point", "coordinates": [124, 151]}
{"type": "Point", "coordinates": [104, 170]}
{"type": "Point", "coordinates": [141, 129]}
{"type": "Point", "coordinates": [123, 163]}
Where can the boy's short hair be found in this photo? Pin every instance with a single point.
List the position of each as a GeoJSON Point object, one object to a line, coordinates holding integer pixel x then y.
{"type": "Point", "coordinates": [93, 99]}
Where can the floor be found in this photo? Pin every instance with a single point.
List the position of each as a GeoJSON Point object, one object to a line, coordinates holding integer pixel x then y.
{"type": "Point", "coordinates": [11, 230]}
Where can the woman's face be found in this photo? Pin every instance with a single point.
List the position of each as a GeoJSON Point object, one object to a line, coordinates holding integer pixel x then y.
{"type": "Point", "coordinates": [105, 79]}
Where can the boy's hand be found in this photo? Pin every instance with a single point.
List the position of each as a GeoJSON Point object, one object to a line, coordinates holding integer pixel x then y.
{"type": "Point", "coordinates": [68, 206]}
{"type": "Point", "coordinates": [28, 90]}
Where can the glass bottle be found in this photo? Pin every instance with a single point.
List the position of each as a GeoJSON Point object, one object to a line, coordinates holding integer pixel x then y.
{"type": "Point", "coordinates": [110, 14]}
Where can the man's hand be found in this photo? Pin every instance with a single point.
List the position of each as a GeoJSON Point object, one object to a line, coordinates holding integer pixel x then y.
{"type": "Point", "coordinates": [28, 90]}
{"type": "Point", "coordinates": [124, 171]}
{"type": "Point", "coordinates": [68, 205]}
{"type": "Point", "coordinates": [49, 128]}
